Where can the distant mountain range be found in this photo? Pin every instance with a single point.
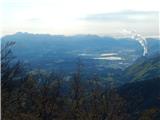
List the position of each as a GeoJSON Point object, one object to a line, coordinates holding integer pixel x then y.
{"type": "Point", "coordinates": [58, 52]}
{"type": "Point", "coordinates": [41, 48]}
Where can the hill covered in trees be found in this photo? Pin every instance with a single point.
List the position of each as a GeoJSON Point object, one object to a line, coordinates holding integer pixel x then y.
{"type": "Point", "coordinates": [144, 68]}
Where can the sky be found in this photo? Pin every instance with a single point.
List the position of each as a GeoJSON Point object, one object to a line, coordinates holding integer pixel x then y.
{"type": "Point", "coordinates": [70, 17]}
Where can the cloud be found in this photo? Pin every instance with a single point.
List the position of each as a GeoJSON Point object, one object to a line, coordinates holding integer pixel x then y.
{"type": "Point", "coordinates": [128, 16]}
{"type": "Point", "coordinates": [77, 16]}
{"type": "Point", "coordinates": [33, 19]}
{"type": "Point", "coordinates": [145, 22]}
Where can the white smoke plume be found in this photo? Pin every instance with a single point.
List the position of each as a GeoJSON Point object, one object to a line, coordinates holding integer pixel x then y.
{"type": "Point", "coordinates": [139, 38]}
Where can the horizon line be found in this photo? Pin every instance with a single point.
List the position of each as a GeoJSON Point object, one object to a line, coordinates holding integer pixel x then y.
{"type": "Point", "coordinates": [81, 34]}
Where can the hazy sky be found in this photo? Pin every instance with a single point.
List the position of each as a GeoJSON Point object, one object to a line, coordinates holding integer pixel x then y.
{"type": "Point", "coordinates": [102, 17]}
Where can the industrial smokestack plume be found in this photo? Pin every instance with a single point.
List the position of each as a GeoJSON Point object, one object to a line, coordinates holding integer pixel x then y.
{"type": "Point", "coordinates": [139, 38]}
